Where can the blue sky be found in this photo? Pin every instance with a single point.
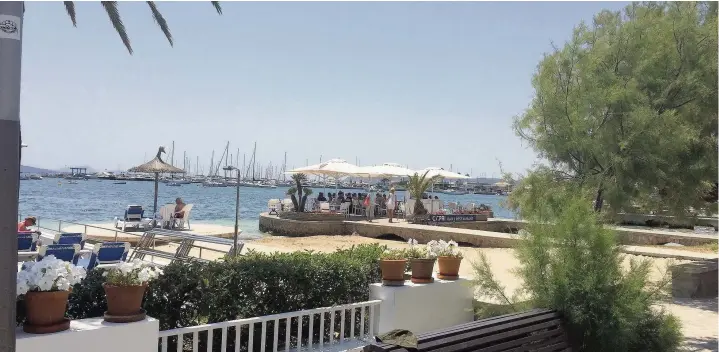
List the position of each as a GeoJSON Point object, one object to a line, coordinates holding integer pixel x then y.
{"type": "Point", "coordinates": [422, 84]}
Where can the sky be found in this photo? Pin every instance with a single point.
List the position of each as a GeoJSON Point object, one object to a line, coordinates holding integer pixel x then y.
{"type": "Point", "coordinates": [417, 83]}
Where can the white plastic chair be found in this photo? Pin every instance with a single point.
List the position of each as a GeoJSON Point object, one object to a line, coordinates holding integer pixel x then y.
{"type": "Point", "coordinates": [324, 206]}
{"type": "Point", "coordinates": [287, 205]}
{"type": "Point", "coordinates": [274, 206]}
{"type": "Point", "coordinates": [344, 208]}
{"type": "Point", "coordinates": [166, 212]}
{"type": "Point", "coordinates": [180, 223]}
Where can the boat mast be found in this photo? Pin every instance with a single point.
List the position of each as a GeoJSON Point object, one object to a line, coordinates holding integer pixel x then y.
{"type": "Point", "coordinates": [254, 154]}
{"type": "Point", "coordinates": [284, 168]}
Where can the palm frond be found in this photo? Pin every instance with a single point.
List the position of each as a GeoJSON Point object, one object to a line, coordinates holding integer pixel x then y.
{"type": "Point", "coordinates": [70, 8]}
{"type": "Point", "coordinates": [160, 21]}
{"type": "Point", "coordinates": [114, 15]}
{"type": "Point", "coordinates": [217, 6]}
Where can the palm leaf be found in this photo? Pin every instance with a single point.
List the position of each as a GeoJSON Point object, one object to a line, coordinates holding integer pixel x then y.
{"type": "Point", "coordinates": [160, 21]}
{"type": "Point", "coordinates": [70, 8]}
{"type": "Point", "coordinates": [217, 6]}
{"type": "Point", "coordinates": [114, 15]}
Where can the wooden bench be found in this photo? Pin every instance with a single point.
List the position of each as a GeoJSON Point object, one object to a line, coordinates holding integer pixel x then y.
{"type": "Point", "coordinates": [534, 330]}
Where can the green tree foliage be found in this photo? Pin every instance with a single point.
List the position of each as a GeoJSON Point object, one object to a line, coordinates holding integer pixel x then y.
{"type": "Point", "coordinates": [570, 262]}
{"type": "Point", "coordinates": [113, 14]}
{"type": "Point", "coordinates": [300, 200]}
{"type": "Point", "coordinates": [418, 185]}
{"type": "Point", "coordinates": [628, 108]}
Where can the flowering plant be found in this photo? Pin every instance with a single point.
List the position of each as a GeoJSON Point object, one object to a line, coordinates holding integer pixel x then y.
{"type": "Point", "coordinates": [415, 251]}
{"type": "Point", "coordinates": [134, 273]}
{"type": "Point", "coordinates": [393, 254]}
{"type": "Point", "coordinates": [442, 248]}
{"type": "Point", "coordinates": [49, 274]}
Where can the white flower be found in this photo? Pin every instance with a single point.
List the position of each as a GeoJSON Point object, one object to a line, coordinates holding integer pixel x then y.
{"type": "Point", "coordinates": [49, 274]}
{"type": "Point", "coordinates": [136, 272]}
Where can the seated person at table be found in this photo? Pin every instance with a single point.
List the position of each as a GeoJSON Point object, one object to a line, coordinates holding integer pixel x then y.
{"type": "Point", "coordinates": [321, 197]}
{"type": "Point", "coordinates": [22, 226]}
{"type": "Point", "coordinates": [341, 197]}
{"type": "Point", "coordinates": [435, 197]}
{"type": "Point", "coordinates": [179, 205]}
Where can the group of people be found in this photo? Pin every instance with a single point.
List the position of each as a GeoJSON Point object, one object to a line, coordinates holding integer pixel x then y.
{"type": "Point", "coordinates": [371, 202]}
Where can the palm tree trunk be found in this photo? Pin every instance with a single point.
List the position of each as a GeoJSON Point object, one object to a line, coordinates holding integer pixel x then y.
{"type": "Point", "coordinates": [11, 13]}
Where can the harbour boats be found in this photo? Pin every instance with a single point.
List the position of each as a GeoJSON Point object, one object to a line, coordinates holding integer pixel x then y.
{"type": "Point", "coordinates": [174, 184]}
{"type": "Point", "coordinates": [455, 192]}
{"type": "Point", "coordinates": [72, 182]}
{"type": "Point", "coordinates": [120, 182]}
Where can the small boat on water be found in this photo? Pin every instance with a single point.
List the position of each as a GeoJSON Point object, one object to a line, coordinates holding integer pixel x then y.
{"type": "Point", "coordinates": [174, 184]}
{"type": "Point", "coordinates": [120, 183]}
{"type": "Point", "coordinates": [455, 192]}
{"type": "Point", "coordinates": [72, 182]}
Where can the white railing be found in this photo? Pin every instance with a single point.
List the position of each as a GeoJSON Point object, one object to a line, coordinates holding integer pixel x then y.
{"type": "Point", "coordinates": [307, 330]}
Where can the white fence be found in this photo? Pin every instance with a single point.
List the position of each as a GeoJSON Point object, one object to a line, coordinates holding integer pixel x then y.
{"type": "Point", "coordinates": [307, 330]}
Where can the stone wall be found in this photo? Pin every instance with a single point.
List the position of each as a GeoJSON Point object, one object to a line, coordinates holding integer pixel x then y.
{"type": "Point", "coordinates": [311, 216]}
{"type": "Point", "coordinates": [491, 233]}
{"type": "Point", "coordinates": [295, 228]}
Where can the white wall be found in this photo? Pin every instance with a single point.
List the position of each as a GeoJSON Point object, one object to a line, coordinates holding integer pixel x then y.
{"type": "Point", "coordinates": [423, 307]}
{"type": "Point", "coordinates": [93, 335]}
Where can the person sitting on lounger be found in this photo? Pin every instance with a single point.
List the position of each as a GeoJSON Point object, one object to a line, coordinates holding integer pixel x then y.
{"type": "Point", "coordinates": [179, 205]}
{"type": "Point", "coordinates": [22, 226]}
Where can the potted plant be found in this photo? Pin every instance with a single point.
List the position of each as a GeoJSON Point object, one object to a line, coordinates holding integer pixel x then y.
{"type": "Point", "coordinates": [422, 261]}
{"type": "Point", "coordinates": [393, 263]}
{"type": "Point", "coordinates": [124, 287]}
{"type": "Point", "coordinates": [449, 258]}
{"type": "Point", "coordinates": [417, 186]}
{"type": "Point", "coordinates": [46, 286]}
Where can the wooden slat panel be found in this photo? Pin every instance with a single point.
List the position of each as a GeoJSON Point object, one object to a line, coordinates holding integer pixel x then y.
{"type": "Point", "coordinates": [511, 338]}
{"type": "Point", "coordinates": [476, 334]}
{"type": "Point", "coordinates": [535, 330]}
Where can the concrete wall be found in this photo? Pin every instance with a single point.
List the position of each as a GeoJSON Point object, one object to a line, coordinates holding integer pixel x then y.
{"type": "Point", "coordinates": [491, 233]}
{"type": "Point", "coordinates": [295, 228]}
{"type": "Point", "coordinates": [93, 335]}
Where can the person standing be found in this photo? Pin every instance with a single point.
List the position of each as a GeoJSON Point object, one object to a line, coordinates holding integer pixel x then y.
{"type": "Point", "coordinates": [391, 203]}
{"type": "Point", "coordinates": [369, 206]}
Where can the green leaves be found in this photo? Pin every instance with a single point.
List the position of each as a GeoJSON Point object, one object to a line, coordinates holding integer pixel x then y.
{"type": "Point", "coordinates": [114, 15]}
{"type": "Point", "coordinates": [628, 106]}
{"type": "Point", "coordinates": [570, 262]}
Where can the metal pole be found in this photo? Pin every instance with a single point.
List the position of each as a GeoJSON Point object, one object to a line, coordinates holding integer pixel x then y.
{"type": "Point", "coordinates": [237, 212]}
{"type": "Point", "coordinates": [11, 18]}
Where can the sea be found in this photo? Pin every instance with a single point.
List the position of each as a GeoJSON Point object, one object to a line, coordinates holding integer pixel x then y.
{"type": "Point", "coordinates": [100, 201]}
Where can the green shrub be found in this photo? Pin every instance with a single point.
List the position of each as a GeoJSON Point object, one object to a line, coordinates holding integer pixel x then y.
{"type": "Point", "coordinates": [255, 284]}
{"type": "Point", "coordinates": [570, 262]}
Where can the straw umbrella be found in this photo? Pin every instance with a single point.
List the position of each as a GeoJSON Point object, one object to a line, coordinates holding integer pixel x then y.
{"type": "Point", "coordinates": [157, 166]}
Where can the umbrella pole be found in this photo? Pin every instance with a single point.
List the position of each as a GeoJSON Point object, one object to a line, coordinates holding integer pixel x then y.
{"type": "Point", "coordinates": [154, 205]}
{"type": "Point", "coordinates": [237, 213]}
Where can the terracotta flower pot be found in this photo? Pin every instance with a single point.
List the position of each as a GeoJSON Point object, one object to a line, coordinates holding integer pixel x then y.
{"type": "Point", "coordinates": [422, 270]}
{"type": "Point", "coordinates": [124, 301]}
{"type": "Point", "coordinates": [449, 268]}
{"type": "Point", "coordinates": [45, 312]}
{"type": "Point", "coordinates": [393, 271]}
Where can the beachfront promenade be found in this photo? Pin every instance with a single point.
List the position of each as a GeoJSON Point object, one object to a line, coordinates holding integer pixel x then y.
{"type": "Point", "coordinates": [494, 232]}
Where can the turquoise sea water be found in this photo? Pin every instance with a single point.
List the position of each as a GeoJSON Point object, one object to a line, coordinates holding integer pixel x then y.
{"type": "Point", "coordinates": [96, 201]}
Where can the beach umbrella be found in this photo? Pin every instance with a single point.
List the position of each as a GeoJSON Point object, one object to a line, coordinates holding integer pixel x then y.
{"type": "Point", "coordinates": [157, 166]}
{"type": "Point", "coordinates": [442, 173]}
{"type": "Point", "coordinates": [334, 167]}
{"type": "Point", "coordinates": [387, 170]}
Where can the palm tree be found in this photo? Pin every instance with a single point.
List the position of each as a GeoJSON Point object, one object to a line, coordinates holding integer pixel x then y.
{"type": "Point", "coordinates": [10, 139]}
{"type": "Point", "coordinates": [417, 186]}
{"type": "Point", "coordinates": [114, 14]}
{"type": "Point", "coordinates": [302, 192]}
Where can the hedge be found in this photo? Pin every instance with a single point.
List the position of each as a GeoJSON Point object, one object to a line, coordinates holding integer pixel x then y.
{"type": "Point", "coordinates": [255, 284]}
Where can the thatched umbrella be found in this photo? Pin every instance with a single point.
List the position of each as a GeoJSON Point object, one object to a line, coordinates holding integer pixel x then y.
{"type": "Point", "coordinates": [157, 166]}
